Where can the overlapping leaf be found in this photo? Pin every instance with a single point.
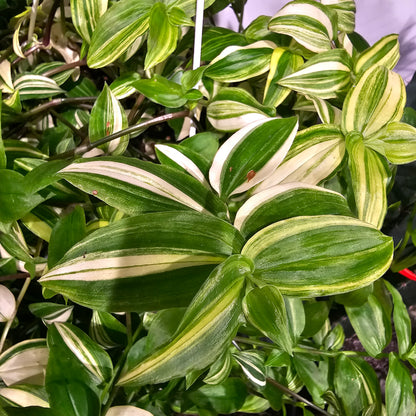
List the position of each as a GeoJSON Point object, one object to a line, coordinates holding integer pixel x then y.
{"type": "Point", "coordinates": [319, 255]}
{"type": "Point", "coordinates": [345, 10]}
{"type": "Point", "coordinates": [148, 262]}
{"type": "Point", "coordinates": [36, 86]}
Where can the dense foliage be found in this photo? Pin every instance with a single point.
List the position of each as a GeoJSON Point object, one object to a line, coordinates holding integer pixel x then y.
{"type": "Point", "coordinates": [181, 232]}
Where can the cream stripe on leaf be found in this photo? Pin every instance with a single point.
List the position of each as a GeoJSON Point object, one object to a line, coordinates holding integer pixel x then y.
{"type": "Point", "coordinates": [251, 154]}
{"type": "Point", "coordinates": [206, 330]}
{"type": "Point", "coordinates": [285, 201]}
{"type": "Point", "coordinates": [345, 10]}
{"type": "Point", "coordinates": [134, 186]}
{"type": "Point", "coordinates": [310, 23]}
{"type": "Point", "coordinates": [319, 255]}
{"type": "Point", "coordinates": [328, 113]}
{"type": "Point", "coordinates": [315, 154]}
{"type": "Point", "coordinates": [384, 52]}
{"type": "Point", "coordinates": [378, 98]}
{"type": "Point", "coordinates": [369, 175]}
{"type": "Point", "coordinates": [24, 396]}
{"type": "Point", "coordinates": [108, 117]}
{"type": "Point", "coordinates": [36, 86]}
{"type": "Point", "coordinates": [85, 14]}
{"type": "Point", "coordinates": [252, 364]}
{"type": "Point", "coordinates": [117, 29]}
{"type": "Point", "coordinates": [148, 262]}
{"type": "Point", "coordinates": [326, 75]}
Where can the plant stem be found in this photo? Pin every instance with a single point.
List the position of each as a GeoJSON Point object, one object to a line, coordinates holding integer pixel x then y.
{"type": "Point", "coordinates": [32, 23]}
{"type": "Point", "coordinates": [296, 396]}
{"type": "Point", "coordinates": [14, 276]}
{"type": "Point", "coordinates": [48, 28]}
{"type": "Point", "coordinates": [65, 67]}
{"type": "Point", "coordinates": [132, 117]}
{"type": "Point", "coordinates": [10, 321]}
{"type": "Point", "coordinates": [63, 120]}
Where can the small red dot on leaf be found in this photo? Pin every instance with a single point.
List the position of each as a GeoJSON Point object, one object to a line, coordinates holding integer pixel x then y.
{"type": "Point", "coordinates": [94, 192]}
{"type": "Point", "coordinates": [250, 175]}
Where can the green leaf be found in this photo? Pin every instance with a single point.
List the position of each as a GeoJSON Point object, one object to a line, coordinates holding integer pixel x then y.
{"type": "Point", "coordinates": [234, 108]}
{"type": "Point", "coordinates": [326, 75]}
{"type": "Point", "coordinates": [251, 154]}
{"type": "Point", "coordinates": [14, 243]}
{"type": "Point", "coordinates": [369, 175]}
{"type": "Point", "coordinates": [345, 10]}
{"type": "Point", "coordinates": [3, 157]}
{"type": "Point", "coordinates": [162, 38]}
{"type": "Point", "coordinates": [401, 319]}
{"type": "Point", "coordinates": [396, 141]}
{"type": "Point", "coordinates": [16, 200]}
{"type": "Point", "coordinates": [51, 312]}
{"type": "Point", "coordinates": [371, 324]}
{"type": "Point", "coordinates": [265, 309]}
{"type": "Point", "coordinates": [85, 14]}
{"type": "Point", "coordinates": [207, 328]}
{"type": "Point", "coordinates": [18, 149]}
{"type": "Point", "coordinates": [283, 63]}
{"type": "Point", "coordinates": [6, 82]}
{"type": "Point", "coordinates": [149, 262]}
{"type": "Point", "coordinates": [23, 396]}
{"type": "Point", "coordinates": [117, 29]}
{"type": "Point", "coordinates": [106, 330]}
{"type": "Point", "coordinates": [67, 232]}
{"type": "Point", "coordinates": [328, 113]}
{"type": "Point", "coordinates": [28, 411]}
{"type": "Point", "coordinates": [378, 98]}
{"type": "Point", "coordinates": [356, 384]}
{"type": "Point", "coordinates": [310, 23]}
{"type": "Point", "coordinates": [220, 369]}
{"type": "Point", "coordinates": [59, 77]}
{"type": "Point", "coordinates": [123, 86]}
{"type": "Point", "coordinates": [316, 152]}
{"type": "Point", "coordinates": [252, 364]}
{"type": "Point", "coordinates": [295, 317]}
{"type": "Point", "coordinates": [134, 186]}
{"type": "Point", "coordinates": [36, 86]}
{"type": "Point", "coordinates": [384, 52]}
{"type": "Point", "coordinates": [108, 117]}
{"type": "Point", "coordinates": [400, 400]}
{"type": "Point", "coordinates": [161, 91]}
{"type": "Point", "coordinates": [238, 63]}
{"type": "Point", "coordinates": [318, 255]}
{"type": "Point", "coordinates": [286, 201]}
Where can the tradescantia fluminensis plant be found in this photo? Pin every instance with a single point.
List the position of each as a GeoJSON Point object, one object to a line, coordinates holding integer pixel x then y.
{"type": "Point", "coordinates": [172, 272]}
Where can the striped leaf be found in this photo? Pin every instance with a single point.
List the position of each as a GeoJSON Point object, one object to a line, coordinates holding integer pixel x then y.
{"type": "Point", "coordinates": [265, 309]}
{"type": "Point", "coordinates": [24, 396]}
{"type": "Point", "coordinates": [238, 63]}
{"type": "Point", "coordinates": [7, 304]}
{"type": "Point", "coordinates": [162, 38]}
{"type": "Point", "coordinates": [319, 255]}
{"type": "Point", "coordinates": [285, 201]}
{"type": "Point", "coordinates": [345, 10]}
{"type": "Point", "coordinates": [396, 141]}
{"type": "Point", "coordinates": [51, 312]}
{"type": "Point", "coordinates": [106, 330]}
{"type": "Point", "coordinates": [17, 149]}
{"type": "Point", "coordinates": [148, 262]}
{"type": "Point", "coordinates": [251, 154]}
{"type": "Point", "coordinates": [234, 108]}
{"type": "Point", "coordinates": [326, 75]}
{"type": "Point", "coordinates": [220, 369]}
{"type": "Point", "coordinates": [369, 175]}
{"type": "Point", "coordinates": [185, 159]}
{"type": "Point", "coordinates": [127, 411]}
{"type": "Point", "coordinates": [308, 22]}
{"type": "Point", "coordinates": [385, 52]}
{"type": "Point", "coordinates": [108, 117]}
{"type": "Point", "coordinates": [60, 77]}
{"type": "Point", "coordinates": [6, 82]}
{"type": "Point", "coordinates": [93, 358]}
{"type": "Point", "coordinates": [3, 156]}
{"type": "Point", "coordinates": [315, 154]}
{"type": "Point", "coordinates": [206, 329]}
{"type": "Point", "coordinates": [378, 98]}
{"type": "Point", "coordinates": [187, 6]}
{"type": "Point", "coordinates": [117, 29]}
{"type": "Point", "coordinates": [328, 113]}
{"type": "Point", "coordinates": [252, 364]}
{"type": "Point", "coordinates": [85, 14]}
{"type": "Point", "coordinates": [25, 362]}
{"type": "Point", "coordinates": [134, 186]}
{"type": "Point", "coordinates": [36, 86]}
{"type": "Point", "coordinates": [283, 63]}
{"type": "Point", "coordinates": [123, 86]}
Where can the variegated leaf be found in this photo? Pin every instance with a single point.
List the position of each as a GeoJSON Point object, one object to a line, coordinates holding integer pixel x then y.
{"type": "Point", "coordinates": [3, 156]}
{"type": "Point", "coordinates": [378, 98]}
{"type": "Point", "coordinates": [315, 154]}
{"type": "Point", "coordinates": [60, 77]}
{"type": "Point", "coordinates": [123, 86]}
{"type": "Point", "coordinates": [127, 411]}
{"type": "Point", "coordinates": [252, 364]}
{"type": "Point", "coordinates": [134, 186]}
{"type": "Point", "coordinates": [187, 6]}
{"type": "Point", "coordinates": [24, 396]}
{"type": "Point", "coordinates": [234, 108]}
{"type": "Point", "coordinates": [7, 304]}
{"type": "Point", "coordinates": [328, 113]}
{"type": "Point", "coordinates": [319, 255]}
{"type": "Point", "coordinates": [85, 14]}
{"type": "Point", "coordinates": [25, 362]}
{"type": "Point", "coordinates": [220, 369]}
{"type": "Point", "coordinates": [396, 141]}
{"type": "Point", "coordinates": [36, 86]}
{"type": "Point", "coordinates": [51, 312]}
{"type": "Point", "coordinates": [148, 262]}
{"type": "Point", "coordinates": [285, 201]}
{"type": "Point", "coordinates": [345, 10]}
{"type": "Point", "coordinates": [384, 52]}
{"type": "Point", "coordinates": [325, 75]}
{"type": "Point", "coordinates": [310, 23]}
{"type": "Point", "coordinates": [283, 63]}
{"type": "Point", "coordinates": [107, 330]}
{"type": "Point", "coordinates": [238, 63]}
{"type": "Point", "coordinates": [251, 154]}
{"type": "Point", "coordinates": [108, 117]}
{"type": "Point", "coordinates": [6, 82]}
{"type": "Point", "coordinates": [117, 29]}
{"type": "Point", "coordinates": [369, 175]}
{"type": "Point", "coordinates": [206, 329]}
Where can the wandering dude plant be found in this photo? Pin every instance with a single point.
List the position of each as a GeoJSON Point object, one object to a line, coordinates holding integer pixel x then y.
{"type": "Point", "coordinates": [191, 229]}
